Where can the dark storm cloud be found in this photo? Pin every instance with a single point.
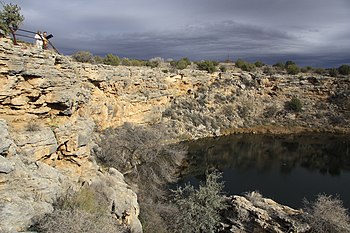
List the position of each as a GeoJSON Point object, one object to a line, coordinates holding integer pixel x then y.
{"type": "Point", "coordinates": [312, 32]}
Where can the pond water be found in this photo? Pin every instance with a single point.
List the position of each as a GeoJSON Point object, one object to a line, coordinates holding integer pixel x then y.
{"type": "Point", "coordinates": [286, 168]}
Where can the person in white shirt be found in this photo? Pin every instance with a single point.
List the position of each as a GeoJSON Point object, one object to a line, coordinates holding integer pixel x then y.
{"type": "Point", "coordinates": [38, 40]}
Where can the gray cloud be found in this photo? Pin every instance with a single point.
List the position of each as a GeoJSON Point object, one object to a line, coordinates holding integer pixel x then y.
{"type": "Point", "coordinates": [313, 32]}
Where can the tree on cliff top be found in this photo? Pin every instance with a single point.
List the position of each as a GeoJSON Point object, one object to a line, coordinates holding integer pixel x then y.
{"type": "Point", "coordinates": [10, 19]}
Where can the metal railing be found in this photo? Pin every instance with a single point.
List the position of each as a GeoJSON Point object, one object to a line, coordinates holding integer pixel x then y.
{"type": "Point", "coordinates": [31, 34]}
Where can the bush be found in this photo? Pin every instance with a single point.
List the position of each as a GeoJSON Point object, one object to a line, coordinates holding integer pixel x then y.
{"type": "Point", "coordinates": [259, 64]}
{"type": "Point", "coordinates": [344, 69]}
{"type": "Point", "coordinates": [139, 152]}
{"type": "Point", "coordinates": [83, 56]}
{"type": "Point", "coordinates": [98, 59]}
{"type": "Point", "coordinates": [292, 69]}
{"type": "Point", "coordinates": [320, 71]}
{"type": "Point", "coordinates": [111, 59]}
{"type": "Point", "coordinates": [333, 72]}
{"type": "Point", "coordinates": [327, 214]}
{"type": "Point", "coordinates": [199, 208]}
{"type": "Point", "coordinates": [279, 65]}
{"type": "Point", "coordinates": [246, 66]}
{"type": "Point", "coordinates": [131, 145]}
{"type": "Point", "coordinates": [269, 70]}
{"type": "Point", "coordinates": [270, 111]}
{"type": "Point", "coordinates": [209, 66]}
{"type": "Point", "coordinates": [77, 221]}
{"type": "Point", "coordinates": [125, 62]}
{"type": "Point", "coordinates": [223, 68]}
{"type": "Point", "coordinates": [288, 63]}
{"type": "Point", "coordinates": [85, 211]}
{"type": "Point", "coordinates": [294, 105]}
{"type": "Point", "coordinates": [239, 63]}
{"type": "Point", "coordinates": [307, 69]}
{"type": "Point", "coordinates": [303, 70]}
{"type": "Point", "coordinates": [181, 64]}
{"type": "Point", "coordinates": [152, 64]}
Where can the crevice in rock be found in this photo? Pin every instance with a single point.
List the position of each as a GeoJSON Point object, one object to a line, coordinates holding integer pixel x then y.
{"type": "Point", "coordinates": [57, 106]}
{"type": "Point", "coordinates": [30, 76]}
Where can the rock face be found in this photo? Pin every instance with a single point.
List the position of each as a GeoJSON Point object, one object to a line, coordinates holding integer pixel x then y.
{"type": "Point", "coordinates": [29, 185]}
{"type": "Point", "coordinates": [257, 214]}
{"type": "Point", "coordinates": [46, 137]}
{"type": "Point", "coordinates": [51, 107]}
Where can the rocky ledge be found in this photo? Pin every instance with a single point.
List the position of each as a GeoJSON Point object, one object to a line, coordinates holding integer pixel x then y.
{"type": "Point", "coordinates": [52, 108]}
{"type": "Point", "coordinates": [253, 213]}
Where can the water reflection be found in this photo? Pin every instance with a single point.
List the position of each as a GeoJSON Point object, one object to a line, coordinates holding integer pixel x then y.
{"type": "Point", "coordinates": [279, 166]}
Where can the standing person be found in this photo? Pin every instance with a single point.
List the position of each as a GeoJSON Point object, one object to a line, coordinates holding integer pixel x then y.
{"type": "Point", "coordinates": [38, 40]}
{"type": "Point", "coordinates": [45, 40]}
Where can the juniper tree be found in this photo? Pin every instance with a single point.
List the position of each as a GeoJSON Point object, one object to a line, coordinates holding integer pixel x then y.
{"type": "Point", "coordinates": [10, 19]}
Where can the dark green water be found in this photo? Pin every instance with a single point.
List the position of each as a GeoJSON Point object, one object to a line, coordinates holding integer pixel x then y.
{"type": "Point", "coordinates": [285, 168]}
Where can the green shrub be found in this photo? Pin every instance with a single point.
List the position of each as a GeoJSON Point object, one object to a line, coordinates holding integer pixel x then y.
{"type": "Point", "coordinates": [83, 56]}
{"type": "Point", "coordinates": [292, 69]}
{"type": "Point", "coordinates": [209, 66]}
{"type": "Point", "coordinates": [327, 214]}
{"type": "Point", "coordinates": [303, 70]}
{"type": "Point", "coordinates": [111, 59]}
{"type": "Point", "coordinates": [320, 71]}
{"type": "Point", "coordinates": [269, 70]}
{"type": "Point", "coordinates": [294, 105]}
{"type": "Point", "coordinates": [259, 64]}
{"type": "Point", "coordinates": [239, 63]}
{"type": "Point", "coordinates": [288, 63]}
{"type": "Point", "coordinates": [138, 63]}
{"type": "Point", "coordinates": [279, 65]}
{"type": "Point", "coordinates": [333, 72]}
{"type": "Point", "coordinates": [125, 62]}
{"type": "Point", "coordinates": [306, 69]}
{"type": "Point", "coordinates": [152, 64]}
{"type": "Point", "coordinates": [98, 59]}
{"type": "Point", "coordinates": [248, 66]}
{"type": "Point", "coordinates": [344, 69]}
{"type": "Point", "coordinates": [309, 68]}
{"type": "Point", "coordinates": [223, 68]}
{"type": "Point", "coordinates": [181, 64]}
{"type": "Point", "coordinates": [199, 208]}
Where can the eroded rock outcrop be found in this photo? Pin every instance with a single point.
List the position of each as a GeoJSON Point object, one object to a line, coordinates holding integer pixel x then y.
{"type": "Point", "coordinates": [254, 213]}
{"type": "Point", "coordinates": [29, 185]}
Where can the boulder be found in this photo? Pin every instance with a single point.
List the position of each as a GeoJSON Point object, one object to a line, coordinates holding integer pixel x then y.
{"type": "Point", "coordinates": [5, 165]}
{"type": "Point", "coordinates": [253, 213]}
{"type": "Point", "coordinates": [36, 142]}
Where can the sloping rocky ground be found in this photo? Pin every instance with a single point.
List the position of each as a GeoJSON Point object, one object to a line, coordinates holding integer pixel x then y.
{"type": "Point", "coordinates": [52, 108]}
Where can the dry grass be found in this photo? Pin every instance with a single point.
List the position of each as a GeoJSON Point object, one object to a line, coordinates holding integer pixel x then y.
{"type": "Point", "coordinates": [327, 214]}
{"type": "Point", "coordinates": [85, 211]}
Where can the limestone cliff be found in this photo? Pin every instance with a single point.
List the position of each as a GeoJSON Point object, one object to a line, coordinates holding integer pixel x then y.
{"type": "Point", "coordinates": [51, 107]}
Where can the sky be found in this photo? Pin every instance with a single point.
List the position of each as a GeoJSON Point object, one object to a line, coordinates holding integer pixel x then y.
{"type": "Point", "coordinates": [309, 32]}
